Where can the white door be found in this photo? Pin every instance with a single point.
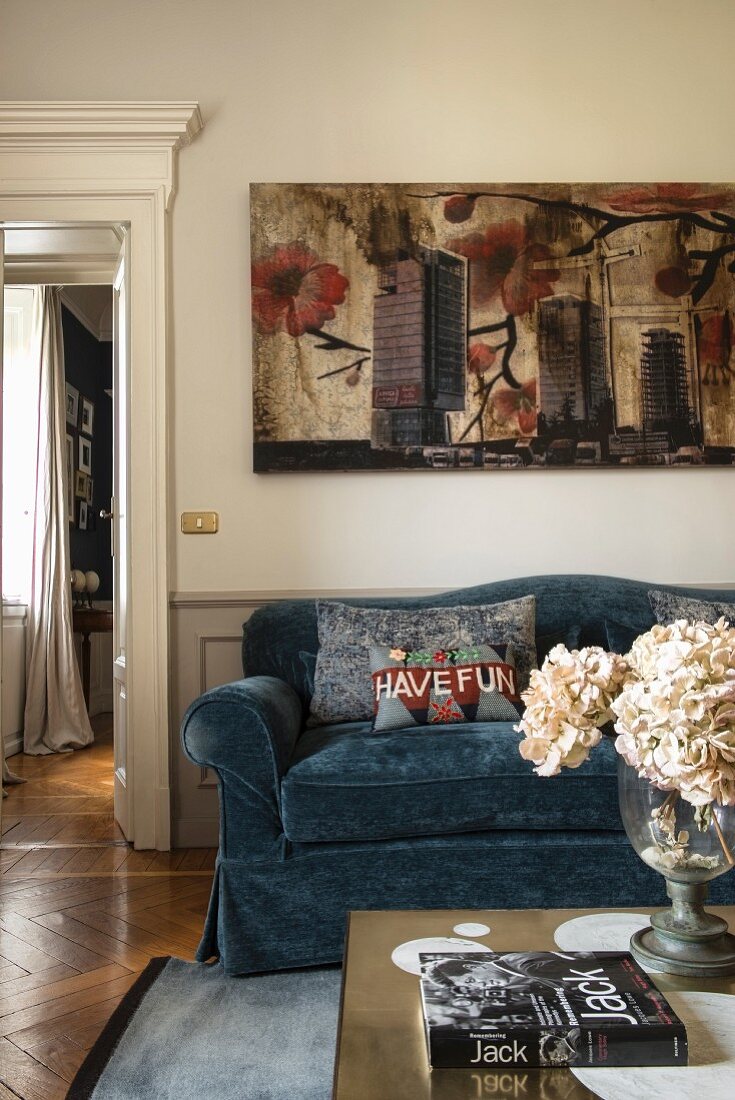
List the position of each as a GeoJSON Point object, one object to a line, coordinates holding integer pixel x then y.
{"type": "Point", "coordinates": [117, 515]}
{"type": "Point", "coordinates": [2, 318]}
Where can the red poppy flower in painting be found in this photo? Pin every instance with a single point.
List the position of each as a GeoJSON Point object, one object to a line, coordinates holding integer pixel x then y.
{"type": "Point", "coordinates": [673, 281]}
{"type": "Point", "coordinates": [518, 404]}
{"type": "Point", "coordinates": [480, 357]}
{"type": "Point", "coordinates": [715, 340]}
{"type": "Point", "coordinates": [459, 208]}
{"type": "Point", "coordinates": [667, 198]}
{"type": "Point", "coordinates": [503, 264]}
{"type": "Point", "coordinates": [295, 290]}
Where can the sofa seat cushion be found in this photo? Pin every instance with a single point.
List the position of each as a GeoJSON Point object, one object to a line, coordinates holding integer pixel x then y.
{"type": "Point", "coordinates": [344, 783]}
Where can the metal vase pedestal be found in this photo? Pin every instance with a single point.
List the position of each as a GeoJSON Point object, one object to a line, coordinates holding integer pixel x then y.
{"type": "Point", "coordinates": [686, 939]}
{"type": "Point", "coordinates": [689, 845]}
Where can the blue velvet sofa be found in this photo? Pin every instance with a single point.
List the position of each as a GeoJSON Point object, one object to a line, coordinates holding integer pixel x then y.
{"type": "Point", "coordinates": [315, 822]}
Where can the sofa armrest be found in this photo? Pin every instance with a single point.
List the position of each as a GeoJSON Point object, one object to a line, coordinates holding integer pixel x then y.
{"type": "Point", "coordinates": [246, 731]}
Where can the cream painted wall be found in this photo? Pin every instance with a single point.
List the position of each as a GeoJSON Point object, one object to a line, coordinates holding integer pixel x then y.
{"type": "Point", "coordinates": [397, 90]}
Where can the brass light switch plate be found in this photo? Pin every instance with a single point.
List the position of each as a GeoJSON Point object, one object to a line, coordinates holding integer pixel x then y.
{"type": "Point", "coordinates": [199, 523]}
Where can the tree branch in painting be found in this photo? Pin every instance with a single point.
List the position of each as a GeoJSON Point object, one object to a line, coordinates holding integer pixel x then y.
{"type": "Point", "coordinates": [629, 206]}
{"type": "Point", "coordinates": [481, 357]}
{"type": "Point", "coordinates": [334, 343]}
{"type": "Point", "coordinates": [357, 366]}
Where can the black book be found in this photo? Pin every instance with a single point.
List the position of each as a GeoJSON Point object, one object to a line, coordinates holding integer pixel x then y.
{"type": "Point", "coordinates": [525, 1009]}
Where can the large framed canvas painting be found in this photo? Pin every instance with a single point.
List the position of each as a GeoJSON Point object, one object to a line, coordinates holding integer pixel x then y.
{"type": "Point", "coordinates": [492, 326]}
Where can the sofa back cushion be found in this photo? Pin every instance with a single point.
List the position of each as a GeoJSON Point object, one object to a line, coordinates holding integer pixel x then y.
{"type": "Point", "coordinates": [669, 606]}
{"type": "Point", "coordinates": [343, 690]}
{"type": "Point", "coordinates": [281, 639]}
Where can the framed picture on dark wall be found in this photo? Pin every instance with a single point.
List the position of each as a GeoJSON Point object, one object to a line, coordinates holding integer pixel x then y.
{"type": "Point", "coordinates": [85, 455]}
{"type": "Point", "coordinates": [89, 490]}
{"type": "Point", "coordinates": [87, 416]}
{"type": "Point", "coordinates": [72, 404]}
{"type": "Point", "coordinates": [80, 485]}
{"type": "Point", "coordinates": [70, 478]}
{"type": "Point", "coordinates": [83, 515]}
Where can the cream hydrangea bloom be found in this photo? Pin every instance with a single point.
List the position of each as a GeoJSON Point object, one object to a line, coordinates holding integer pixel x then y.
{"type": "Point", "coordinates": [567, 700]}
{"type": "Point", "coordinates": [676, 712]}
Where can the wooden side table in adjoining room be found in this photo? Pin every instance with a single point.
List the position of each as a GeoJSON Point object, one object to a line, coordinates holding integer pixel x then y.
{"type": "Point", "coordinates": [87, 621]}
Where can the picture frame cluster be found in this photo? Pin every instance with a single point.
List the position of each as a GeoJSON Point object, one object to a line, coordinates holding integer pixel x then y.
{"type": "Point", "coordinates": [79, 482]}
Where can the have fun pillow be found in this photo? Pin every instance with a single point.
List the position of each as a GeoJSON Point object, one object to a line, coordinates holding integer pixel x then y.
{"type": "Point", "coordinates": [342, 687]}
{"type": "Point", "coordinates": [426, 687]}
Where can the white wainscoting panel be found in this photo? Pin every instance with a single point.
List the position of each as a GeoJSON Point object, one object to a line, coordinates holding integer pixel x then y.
{"type": "Point", "coordinates": [14, 676]}
{"type": "Point", "coordinates": [206, 638]}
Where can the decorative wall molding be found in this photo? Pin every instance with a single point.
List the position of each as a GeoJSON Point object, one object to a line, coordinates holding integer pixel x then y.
{"type": "Point", "coordinates": [103, 147]}
{"type": "Point", "coordinates": [14, 617]}
{"type": "Point", "coordinates": [114, 164]}
{"type": "Point", "coordinates": [102, 124]}
{"type": "Point", "coordinates": [250, 599]}
{"type": "Point", "coordinates": [253, 599]}
{"type": "Point", "coordinates": [14, 611]}
{"type": "Point", "coordinates": [204, 642]}
{"type": "Point", "coordinates": [57, 269]}
{"type": "Point", "coordinates": [205, 652]}
{"type": "Point", "coordinates": [13, 744]}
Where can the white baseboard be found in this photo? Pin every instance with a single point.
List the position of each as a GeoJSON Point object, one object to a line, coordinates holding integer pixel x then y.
{"type": "Point", "coordinates": [193, 832]}
{"type": "Point", "coordinates": [14, 744]}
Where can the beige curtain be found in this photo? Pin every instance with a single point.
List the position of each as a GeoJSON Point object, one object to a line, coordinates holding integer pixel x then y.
{"type": "Point", "coordinates": [56, 718]}
{"type": "Point", "coordinates": [9, 777]}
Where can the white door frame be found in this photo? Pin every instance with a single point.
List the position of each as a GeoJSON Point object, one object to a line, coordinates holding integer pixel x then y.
{"type": "Point", "coordinates": [115, 163]}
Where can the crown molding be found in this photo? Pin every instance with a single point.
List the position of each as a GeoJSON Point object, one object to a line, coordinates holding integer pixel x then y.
{"type": "Point", "coordinates": [74, 147]}
{"type": "Point", "coordinates": [77, 123]}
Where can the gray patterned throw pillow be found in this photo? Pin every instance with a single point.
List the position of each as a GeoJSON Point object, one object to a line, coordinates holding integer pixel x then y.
{"type": "Point", "coordinates": [670, 606]}
{"type": "Point", "coordinates": [342, 681]}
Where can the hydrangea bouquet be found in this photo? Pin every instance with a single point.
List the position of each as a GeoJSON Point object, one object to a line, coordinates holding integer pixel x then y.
{"type": "Point", "coordinates": [672, 701]}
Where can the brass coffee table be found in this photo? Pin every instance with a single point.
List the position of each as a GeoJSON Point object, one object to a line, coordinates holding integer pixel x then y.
{"type": "Point", "coordinates": [381, 1050]}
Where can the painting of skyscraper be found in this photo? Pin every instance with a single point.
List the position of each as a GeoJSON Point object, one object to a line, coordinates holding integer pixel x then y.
{"type": "Point", "coordinates": [492, 326]}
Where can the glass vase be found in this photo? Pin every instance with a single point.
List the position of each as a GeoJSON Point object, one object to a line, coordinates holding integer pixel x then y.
{"type": "Point", "coordinates": [689, 846]}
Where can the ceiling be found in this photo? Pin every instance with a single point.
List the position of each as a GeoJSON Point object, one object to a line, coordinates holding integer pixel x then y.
{"type": "Point", "coordinates": [92, 305]}
{"type": "Point", "coordinates": [62, 254]}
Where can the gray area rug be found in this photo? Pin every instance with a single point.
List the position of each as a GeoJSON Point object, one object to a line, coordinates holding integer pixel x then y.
{"type": "Point", "coordinates": [185, 1031]}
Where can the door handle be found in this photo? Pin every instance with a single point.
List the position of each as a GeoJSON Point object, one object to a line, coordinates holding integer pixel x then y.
{"type": "Point", "coordinates": [106, 515]}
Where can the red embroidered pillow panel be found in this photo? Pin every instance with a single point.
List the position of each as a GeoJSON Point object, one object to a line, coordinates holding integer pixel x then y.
{"type": "Point", "coordinates": [411, 687]}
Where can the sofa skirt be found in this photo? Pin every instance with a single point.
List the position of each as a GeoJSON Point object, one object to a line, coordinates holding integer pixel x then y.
{"type": "Point", "coordinates": [292, 912]}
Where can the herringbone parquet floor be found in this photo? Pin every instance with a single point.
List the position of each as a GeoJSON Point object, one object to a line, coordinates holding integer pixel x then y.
{"type": "Point", "coordinates": [81, 914]}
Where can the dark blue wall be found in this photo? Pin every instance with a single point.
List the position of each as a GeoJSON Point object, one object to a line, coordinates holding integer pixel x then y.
{"type": "Point", "coordinates": [88, 366]}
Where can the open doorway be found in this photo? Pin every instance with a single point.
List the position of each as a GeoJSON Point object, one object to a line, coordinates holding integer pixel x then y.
{"type": "Point", "coordinates": [103, 163]}
{"type": "Point", "coordinates": [73, 803]}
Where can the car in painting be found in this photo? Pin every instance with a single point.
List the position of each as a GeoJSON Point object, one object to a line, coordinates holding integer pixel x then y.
{"type": "Point", "coordinates": [588, 453]}
{"type": "Point", "coordinates": [687, 456]}
{"type": "Point", "coordinates": [441, 459]}
{"type": "Point", "coordinates": [560, 452]}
